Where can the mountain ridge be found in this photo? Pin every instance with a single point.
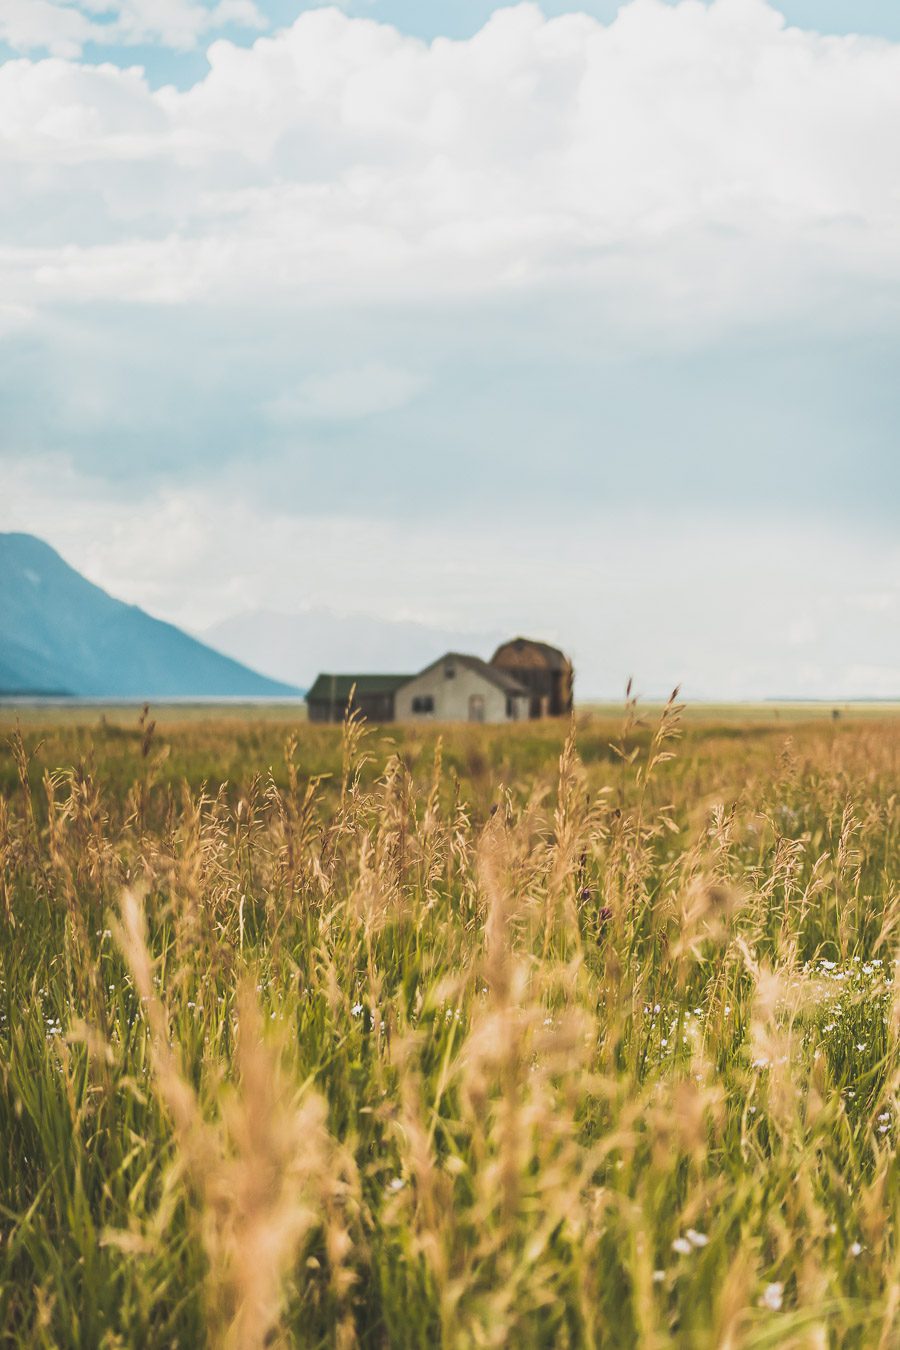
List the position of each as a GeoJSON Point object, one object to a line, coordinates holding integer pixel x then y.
{"type": "Point", "coordinates": [297, 647]}
{"type": "Point", "coordinates": [63, 636]}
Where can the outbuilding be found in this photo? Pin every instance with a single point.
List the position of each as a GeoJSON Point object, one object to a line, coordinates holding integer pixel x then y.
{"type": "Point", "coordinates": [544, 671]}
{"type": "Point", "coordinates": [461, 688]}
{"type": "Point", "coordinates": [373, 696]}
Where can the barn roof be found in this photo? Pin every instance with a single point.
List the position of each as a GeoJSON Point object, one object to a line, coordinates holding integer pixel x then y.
{"type": "Point", "coordinates": [551, 657]}
{"type": "Point", "coordinates": [501, 679]}
{"type": "Point", "coordinates": [336, 688]}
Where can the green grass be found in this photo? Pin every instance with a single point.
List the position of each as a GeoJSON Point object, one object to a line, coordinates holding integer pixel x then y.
{"type": "Point", "coordinates": [323, 1039]}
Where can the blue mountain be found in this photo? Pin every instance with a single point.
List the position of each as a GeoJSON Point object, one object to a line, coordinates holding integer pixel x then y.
{"type": "Point", "coordinates": [61, 635]}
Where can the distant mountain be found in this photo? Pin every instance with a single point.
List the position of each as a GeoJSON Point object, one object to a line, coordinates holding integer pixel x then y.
{"type": "Point", "coordinates": [61, 635]}
{"type": "Point", "coordinates": [296, 647]}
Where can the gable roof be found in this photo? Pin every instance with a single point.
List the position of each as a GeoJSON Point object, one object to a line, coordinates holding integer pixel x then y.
{"type": "Point", "coordinates": [501, 679]}
{"type": "Point", "coordinates": [551, 657]}
{"type": "Point", "coordinates": [336, 688]}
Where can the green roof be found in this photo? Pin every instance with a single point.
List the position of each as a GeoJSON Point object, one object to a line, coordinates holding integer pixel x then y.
{"type": "Point", "coordinates": [336, 688]}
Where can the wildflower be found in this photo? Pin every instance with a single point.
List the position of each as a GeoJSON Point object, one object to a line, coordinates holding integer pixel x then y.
{"type": "Point", "coordinates": [696, 1239]}
{"type": "Point", "coordinates": [856, 1249]}
{"type": "Point", "coordinates": [773, 1297]}
{"type": "Point", "coordinates": [682, 1246]}
{"type": "Point", "coordinates": [658, 1276]}
{"type": "Point", "coordinates": [356, 1010]}
{"type": "Point", "coordinates": [396, 1184]}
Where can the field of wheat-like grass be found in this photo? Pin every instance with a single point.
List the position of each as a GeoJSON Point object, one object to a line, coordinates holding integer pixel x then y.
{"type": "Point", "coordinates": [514, 1037]}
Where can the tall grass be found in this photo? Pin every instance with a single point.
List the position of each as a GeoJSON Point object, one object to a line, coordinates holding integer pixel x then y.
{"type": "Point", "coordinates": [505, 1040]}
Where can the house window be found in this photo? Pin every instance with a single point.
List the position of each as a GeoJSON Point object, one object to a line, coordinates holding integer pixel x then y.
{"type": "Point", "coordinates": [449, 672]}
{"type": "Point", "coordinates": [423, 703]}
{"type": "Point", "coordinates": [510, 706]}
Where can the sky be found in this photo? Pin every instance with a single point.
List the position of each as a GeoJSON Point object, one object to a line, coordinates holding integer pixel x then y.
{"type": "Point", "coordinates": [576, 321]}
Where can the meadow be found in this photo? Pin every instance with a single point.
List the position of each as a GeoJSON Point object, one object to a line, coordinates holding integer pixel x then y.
{"type": "Point", "coordinates": [537, 1036]}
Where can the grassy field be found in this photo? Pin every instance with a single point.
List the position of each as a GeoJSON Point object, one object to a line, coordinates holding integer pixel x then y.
{"type": "Point", "coordinates": [488, 1037]}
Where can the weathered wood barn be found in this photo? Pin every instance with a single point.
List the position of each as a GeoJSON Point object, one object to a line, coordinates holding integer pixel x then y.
{"type": "Point", "coordinates": [545, 671]}
{"type": "Point", "coordinates": [525, 679]}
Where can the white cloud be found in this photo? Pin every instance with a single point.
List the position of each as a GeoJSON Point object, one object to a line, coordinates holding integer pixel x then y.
{"type": "Point", "coordinates": [28, 24]}
{"type": "Point", "coordinates": [344, 395]}
{"type": "Point", "coordinates": [340, 222]}
{"type": "Point", "coordinates": [691, 166]}
{"type": "Point", "coordinates": [65, 28]}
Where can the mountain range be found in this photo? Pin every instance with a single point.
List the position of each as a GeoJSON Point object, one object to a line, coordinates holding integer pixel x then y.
{"type": "Point", "coordinates": [296, 647]}
{"type": "Point", "coordinates": [62, 636]}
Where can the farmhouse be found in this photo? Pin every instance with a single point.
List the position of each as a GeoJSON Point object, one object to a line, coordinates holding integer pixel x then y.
{"type": "Point", "coordinates": [525, 679]}
{"type": "Point", "coordinates": [373, 696]}
{"type": "Point", "coordinates": [545, 672]}
{"type": "Point", "coordinates": [460, 688]}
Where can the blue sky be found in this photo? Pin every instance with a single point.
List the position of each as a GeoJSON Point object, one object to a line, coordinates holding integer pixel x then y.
{"type": "Point", "coordinates": [425, 19]}
{"type": "Point", "coordinates": [587, 325]}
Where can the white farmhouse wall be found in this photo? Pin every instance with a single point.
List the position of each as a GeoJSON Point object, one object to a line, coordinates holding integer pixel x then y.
{"type": "Point", "coordinates": [451, 696]}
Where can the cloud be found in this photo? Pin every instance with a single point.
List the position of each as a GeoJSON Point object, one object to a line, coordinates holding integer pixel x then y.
{"type": "Point", "coordinates": [442, 314]}
{"type": "Point", "coordinates": [29, 24]}
{"type": "Point", "coordinates": [345, 395]}
{"type": "Point", "coordinates": [64, 29]}
{"type": "Point", "coordinates": [690, 166]}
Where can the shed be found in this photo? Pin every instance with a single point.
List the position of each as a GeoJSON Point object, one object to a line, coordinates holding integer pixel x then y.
{"type": "Point", "coordinates": [374, 696]}
{"type": "Point", "coordinates": [462, 688]}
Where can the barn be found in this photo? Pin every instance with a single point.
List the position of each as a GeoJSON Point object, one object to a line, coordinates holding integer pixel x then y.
{"type": "Point", "coordinates": [461, 688]}
{"type": "Point", "coordinates": [373, 696]}
{"type": "Point", "coordinates": [545, 671]}
{"type": "Point", "coordinates": [524, 679]}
